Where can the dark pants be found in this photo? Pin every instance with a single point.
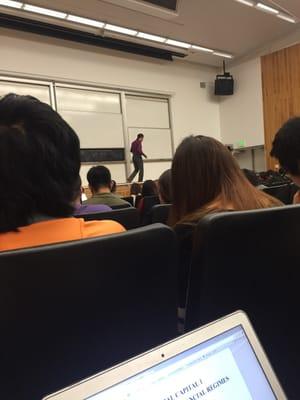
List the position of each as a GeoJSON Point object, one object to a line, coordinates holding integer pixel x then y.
{"type": "Point", "coordinates": [138, 167]}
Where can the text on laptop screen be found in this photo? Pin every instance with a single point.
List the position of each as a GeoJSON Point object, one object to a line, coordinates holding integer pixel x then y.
{"type": "Point", "coordinates": [222, 368]}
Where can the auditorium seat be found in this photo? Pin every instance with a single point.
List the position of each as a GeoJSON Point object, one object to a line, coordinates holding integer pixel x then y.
{"type": "Point", "coordinates": [129, 217]}
{"type": "Point", "coordinates": [129, 200]}
{"type": "Point", "coordinates": [250, 261]}
{"type": "Point", "coordinates": [70, 310]}
{"type": "Point", "coordinates": [284, 193]}
{"type": "Point", "coordinates": [121, 206]}
{"type": "Point", "coordinates": [148, 203]}
{"type": "Point", "coordinates": [160, 213]}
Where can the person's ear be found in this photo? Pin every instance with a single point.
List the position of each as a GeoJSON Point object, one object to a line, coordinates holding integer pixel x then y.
{"type": "Point", "coordinates": [91, 189]}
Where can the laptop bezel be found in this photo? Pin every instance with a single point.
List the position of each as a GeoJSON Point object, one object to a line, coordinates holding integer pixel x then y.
{"type": "Point", "coordinates": [121, 372]}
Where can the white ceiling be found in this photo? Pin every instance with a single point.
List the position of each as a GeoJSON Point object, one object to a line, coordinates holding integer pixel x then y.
{"type": "Point", "coordinates": [223, 25]}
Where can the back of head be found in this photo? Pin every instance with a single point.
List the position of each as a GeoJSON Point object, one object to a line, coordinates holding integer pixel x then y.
{"type": "Point", "coordinates": [203, 172]}
{"type": "Point", "coordinates": [149, 188]}
{"type": "Point", "coordinates": [286, 146]}
{"type": "Point", "coordinates": [165, 186]}
{"type": "Point", "coordinates": [99, 177]}
{"type": "Point", "coordinates": [135, 189]}
{"type": "Point", "coordinates": [39, 162]}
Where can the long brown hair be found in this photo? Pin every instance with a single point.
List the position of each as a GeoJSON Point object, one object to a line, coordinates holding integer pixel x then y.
{"type": "Point", "coordinates": [206, 178]}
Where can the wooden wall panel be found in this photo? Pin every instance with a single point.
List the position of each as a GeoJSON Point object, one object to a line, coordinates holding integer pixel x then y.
{"type": "Point", "coordinates": [281, 92]}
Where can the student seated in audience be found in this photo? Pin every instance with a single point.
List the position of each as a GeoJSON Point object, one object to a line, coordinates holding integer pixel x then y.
{"type": "Point", "coordinates": [149, 189]}
{"type": "Point", "coordinates": [135, 193]}
{"type": "Point", "coordinates": [206, 179]}
{"type": "Point", "coordinates": [81, 209]}
{"type": "Point", "coordinates": [165, 187]}
{"type": "Point", "coordinates": [286, 148]}
{"type": "Point", "coordinates": [99, 179]}
{"type": "Point", "coordinates": [39, 171]}
{"type": "Point", "coordinates": [135, 189]}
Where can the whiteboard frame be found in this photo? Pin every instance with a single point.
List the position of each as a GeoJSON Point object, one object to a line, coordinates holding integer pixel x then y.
{"type": "Point", "coordinates": [53, 83]}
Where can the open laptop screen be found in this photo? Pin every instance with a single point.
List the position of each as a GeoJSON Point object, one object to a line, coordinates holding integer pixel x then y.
{"type": "Point", "coordinates": [222, 368]}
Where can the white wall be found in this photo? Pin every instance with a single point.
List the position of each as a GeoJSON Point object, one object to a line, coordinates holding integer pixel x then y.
{"type": "Point", "coordinates": [241, 115]}
{"type": "Point", "coordinates": [194, 110]}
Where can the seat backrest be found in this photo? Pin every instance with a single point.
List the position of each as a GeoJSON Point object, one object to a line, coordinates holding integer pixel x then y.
{"type": "Point", "coordinates": [138, 198]}
{"type": "Point", "coordinates": [70, 310]}
{"type": "Point", "coordinates": [250, 261]}
{"type": "Point", "coordinates": [160, 213]}
{"type": "Point", "coordinates": [129, 200]}
{"type": "Point", "coordinates": [129, 217]}
{"type": "Point", "coordinates": [148, 203]}
{"type": "Point", "coordinates": [284, 193]}
{"type": "Point", "coordinates": [121, 206]}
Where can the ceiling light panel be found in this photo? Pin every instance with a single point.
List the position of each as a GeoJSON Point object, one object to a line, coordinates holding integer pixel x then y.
{"type": "Point", "coordinates": [176, 43]}
{"type": "Point", "coordinates": [85, 21]}
{"type": "Point", "coordinates": [10, 3]}
{"type": "Point", "coordinates": [287, 18]}
{"type": "Point", "coordinates": [120, 29]}
{"type": "Point", "coordinates": [154, 38]}
{"type": "Point", "coordinates": [199, 48]}
{"type": "Point", "coordinates": [224, 55]}
{"type": "Point", "coordinates": [44, 11]}
{"type": "Point", "coordinates": [246, 2]}
{"type": "Point", "coordinates": [267, 9]}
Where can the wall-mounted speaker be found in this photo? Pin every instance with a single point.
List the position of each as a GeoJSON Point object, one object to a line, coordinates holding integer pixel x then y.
{"type": "Point", "coordinates": [224, 85]}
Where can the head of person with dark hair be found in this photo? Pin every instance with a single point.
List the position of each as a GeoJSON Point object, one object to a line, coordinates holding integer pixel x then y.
{"type": "Point", "coordinates": [39, 163]}
{"type": "Point", "coordinates": [99, 179]}
{"type": "Point", "coordinates": [206, 178]}
{"type": "Point", "coordinates": [286, 148]}
{"type": "Point", "coordinates": [140, 137]}
{"type": "Point", "coordinates": [135, 189]}
{"type": "Point", "coordinates": [149, 188]}
{"type": "Point", "coordinates": [100, 184]}
{"type": "Point", "coordinates": [165, 187]}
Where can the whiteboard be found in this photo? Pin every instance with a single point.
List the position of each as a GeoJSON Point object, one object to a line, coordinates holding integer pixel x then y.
{"type": "Point", "coordinates": [118, 172]}
{"type": "Point", "coordinates": [41, 92]}
{"type": "Point", "coordinates": [156, 144]}
{"type": "Point", "coordinates": [96, 130]}
{"type": "Point", "coordinates": [95, 116]}
{"type": "Point", "coordinates": [87, 100]}
{"type": "Point", "coordinates": [153, 170]}
{"type": "Point", "coordinates": [147, 112]}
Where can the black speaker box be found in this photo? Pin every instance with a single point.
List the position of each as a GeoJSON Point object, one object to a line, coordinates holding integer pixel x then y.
{"type": "Point", "coordinates": [224, 85]}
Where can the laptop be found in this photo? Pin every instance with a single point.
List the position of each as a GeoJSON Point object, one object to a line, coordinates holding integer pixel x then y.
{"type": "Point", "coordinates": [220, 361]}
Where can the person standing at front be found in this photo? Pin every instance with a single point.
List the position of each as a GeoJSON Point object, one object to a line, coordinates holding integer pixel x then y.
{"type": "Point", "coordinates": [137, 158]}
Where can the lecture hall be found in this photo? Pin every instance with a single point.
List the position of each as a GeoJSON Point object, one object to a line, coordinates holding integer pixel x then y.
{"type": "Point", "coordinates": [150, 201]}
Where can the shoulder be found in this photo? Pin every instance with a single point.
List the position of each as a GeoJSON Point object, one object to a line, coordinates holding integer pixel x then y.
{"type": "Point", "coordinates": [99, 228]}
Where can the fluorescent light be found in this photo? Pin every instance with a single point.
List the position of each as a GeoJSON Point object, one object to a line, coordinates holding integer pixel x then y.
{"type": "Point", "coordinates": [147, 36]}
{"type": "Point", "coordinates": [287, 18]}
{"type": "Point", "coordinates": [178, 44]}
{"type": "Point", "coordinates": [202, 49]}
{"type": "Point", "coordinates": [268, 9]}
{"type": "Point", "coordinates": [10, 3]}
{"type": "Point", "coordinates": [44, 11]}
{"type": "Point", "coordinates": [246, 2]}
{"type": "Point", "coordinates": [85, 21]}
{"type": "Point", "coordinates": [120, 29]}
{"type": "Point", "coordinates": [225, 55]}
